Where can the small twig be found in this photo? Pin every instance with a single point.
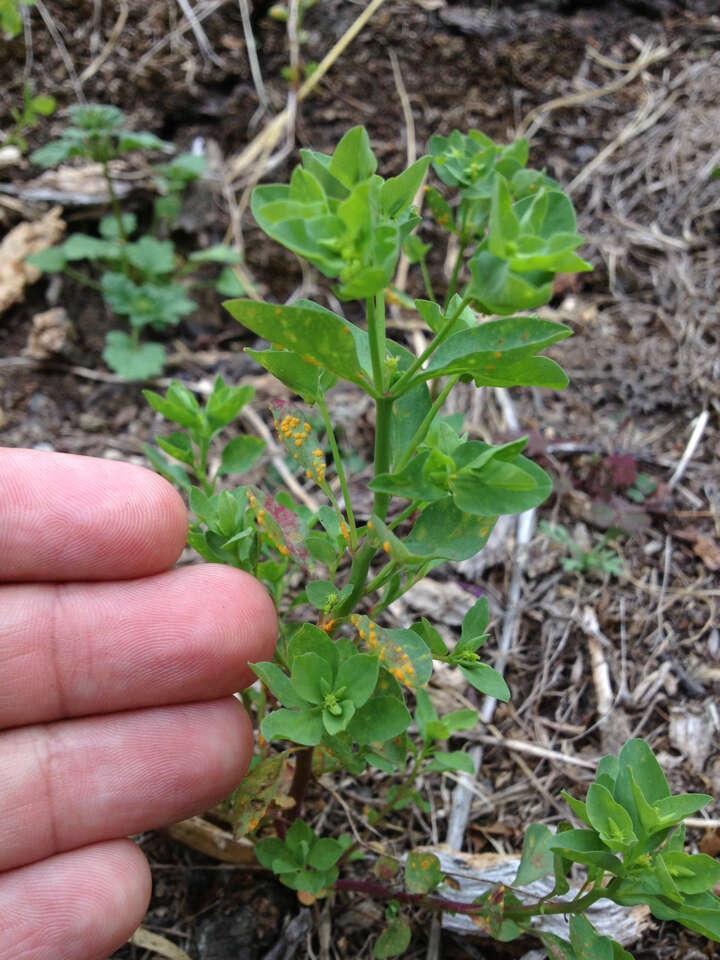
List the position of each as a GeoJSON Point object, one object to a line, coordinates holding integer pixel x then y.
{"type": "Point", "coordinates": [647, 56]}
{"type": "Point", "coordinates": [199, 15]}
{"type": "Point", "coordinates": [462, 795]}
{"type": "Point", "coordinates": [62, 49]}
{"type": "Point", "coordinates": [200, 35]}
{"type": "Point", "coordinates": [274, 129]}
{"type": "Point", "coordinates": [690, 449]}
{"type": "Point", "coordinates": [411, 148]}
{"type": "Point", "coordinates": [641, 121]}
{"type": "Point", "coordinates": [520, 746]}
{"type": "Point", "coordinates": [28, 38]}
{"type": "Point", "coordinates": [251, 49]}
{"type": "Point", "coordinates": [92, 68]}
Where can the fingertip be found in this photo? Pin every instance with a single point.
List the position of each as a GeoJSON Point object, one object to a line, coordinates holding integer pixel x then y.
{"type": "Point", "coordinates": [66, 517]}
{"type": "Point", "coordinates": [241, 614]}
{"type": "Point", "coordinates": [79, 905]}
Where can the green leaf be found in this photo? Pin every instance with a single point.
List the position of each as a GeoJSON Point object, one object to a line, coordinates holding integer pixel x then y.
{"type": "Point", "coordinates": [325, 853]}
{"type": "Point", "coordinates": [454, 760]}
{"type": "Point", "coordinates": [503, 226]}
{"type": "Point", "coordinates": [537, 855]}
{"type": "Point", "coordinates": [577, 807]}
{"type": "Point", "coordinates": [378, 720]}
{"type": "Point", "coordinates": [279, 684]}
{"type": "Point", "coordinates": [500, 487]}
{"type": "Point", "coordinates": [110, 230]}
{"type": "Point", "coordinates": [152, 257]}
{"type": "Point", "coordinates": [692, 873]}
{"type": "Point", "coordinates": [584, 846]}
{"type": "Point", "coordinates": [178, 445]}
{"type": "Point", "coordinates": [358, 675]}
{"type": "Point", "coordinates": [312, 677]}
{"type": "Point", "coordinates": [397, 193]}
{"type": "Point", "coordinates": [140, 140]}
{"type": "Point", "coordinates": [672, 810]}
{"type": "Point", "coordinates": [408, 413]}
{"type": "Point", "coordinates": [171, 471]}
{"type": "Point", "coordinates": [228, 284]}
{"type": "Point", "coordinates": [443, 531]}
{"type": "Point", "coordinates": [440, 209]}
{"type": "Point", "coordinates": [460, 720]}
{"type": "Point", "coordinates": [612, 821]}
{"type": "Point", "coordinates": [422, 872]}
{"type": "Point", "coordinates": [132, 361]}
{"type": "Point", "coordinates": [474, 626]}
{"type": "Point", "coordinates": [353, 160]}
{"type": "Point", "coordinates": [224, 404]}
{"type": "Point", "coordinates": [501, 353]}
{"type": "Point", "coordinates": [498, 289]}
{"type": "Point", "coordinates": [637, 756]}
{"type": "Point", "coordinates": [302, 376]}
{"type": "Point", "coordinates": [318, 593]}
{"type": "Point", "coordinates": [314, 333]}
{"type": "Point", "coordinates": [587, 942]}
{"type": "Point", "coordinates": [271, 850]}
{"type": "Point", "coordinates": [557, 949]}
{"type": "Point", "coordinates": [54, 153]}
{"type": "Point", "coordinates": [178, 405]}
{"type": "Point", "coordinates": [311, 639]}
{"type": "Point", "coordinates": [431, 637]}
{"type": "Point", "coordinates": [82, 247]}
{"type": "Point", "coordinates": [240, 454]}
{"type": "Point", "coordinates": [51, 260]}
{"type": "Point", "coordinates": [393, 941]}
{"type": "Point", "coordinates": [220, 253]}
{"type": "Point", "coordinates": [299, 726]}
{"type": "Point", "coordinates": [486, 680]}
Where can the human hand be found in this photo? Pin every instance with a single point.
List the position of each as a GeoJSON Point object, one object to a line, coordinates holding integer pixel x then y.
{"type": "Point", "coordinates": [116, 675]}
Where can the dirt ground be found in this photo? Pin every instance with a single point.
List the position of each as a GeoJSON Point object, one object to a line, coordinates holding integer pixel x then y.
{"type": "Point", "coordinates": [621, 102]}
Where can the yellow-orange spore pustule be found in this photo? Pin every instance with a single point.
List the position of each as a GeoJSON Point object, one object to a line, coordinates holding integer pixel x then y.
{"type": "Point", "coordinates": [377, 640]}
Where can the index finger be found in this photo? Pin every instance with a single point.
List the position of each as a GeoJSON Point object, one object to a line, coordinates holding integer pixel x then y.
{"type": "Point", "coordinates": [65, 517]}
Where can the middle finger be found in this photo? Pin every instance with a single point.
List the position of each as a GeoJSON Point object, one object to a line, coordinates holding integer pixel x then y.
{"type": "Point", "coordinates": [68, 784]}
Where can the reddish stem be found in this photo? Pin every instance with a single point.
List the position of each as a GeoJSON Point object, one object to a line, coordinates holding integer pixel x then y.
{"type": "Point", "coordinates": [301, 778]}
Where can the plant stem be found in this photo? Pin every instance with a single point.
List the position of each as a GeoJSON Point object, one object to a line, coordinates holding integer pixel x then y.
{"type": "Point", "coordinates": [376, 335]}
{"type": "Point", "coordinates": [398, 387]}
{"type": "Point", "coordinates": [387, 571]}
{"type": "Point", "coordinates": [301, 778]}
{"type": "Point", "coordinates": [114, 202]}
{"type": "Point", "coordinates": [426, 424]}
{"type": "Point", "coordinates": [340, 471]}
{"type": "Point", "coordinates": [81, 278]}
{"type": "Point", "coordinates": [383, 412]}
{"type": "Point", "coordinates": [426, 280]}
{"type": "Point", "coordinates": [407, 512]}
{"type": "Point", "coordinates": [456, 272]}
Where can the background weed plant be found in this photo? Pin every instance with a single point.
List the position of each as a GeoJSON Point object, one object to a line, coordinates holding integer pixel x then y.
{"type": "Point", "coordinates": [344, 692]}
{"type": "Point", "coordinates": [140, 274]}
{"type": "Point", "coordinates": [599, 559]}
{"type": "Point", "coordinates": [34, 107]}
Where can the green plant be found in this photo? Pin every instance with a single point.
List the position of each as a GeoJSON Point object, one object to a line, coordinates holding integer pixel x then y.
{"type": "Point", "coordinates": [141, 277]}
{"type": "Point", "coordinates": [33, 107]}
{"type": "Point", "coordinates": [11, 17]}
{"type": "Point", "coordinates": [344, 692]}
{"type": "Point", "coordinates": [600, 560]}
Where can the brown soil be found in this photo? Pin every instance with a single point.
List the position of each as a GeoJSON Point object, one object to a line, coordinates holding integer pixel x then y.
{"type": "Point", "coordinates": [643, 364]}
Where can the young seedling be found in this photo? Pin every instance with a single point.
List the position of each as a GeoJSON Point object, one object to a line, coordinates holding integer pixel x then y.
{"type": "Point", "coordinates": [140, 276]}
{"type": "Point", "coordinates": [345, 692]}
